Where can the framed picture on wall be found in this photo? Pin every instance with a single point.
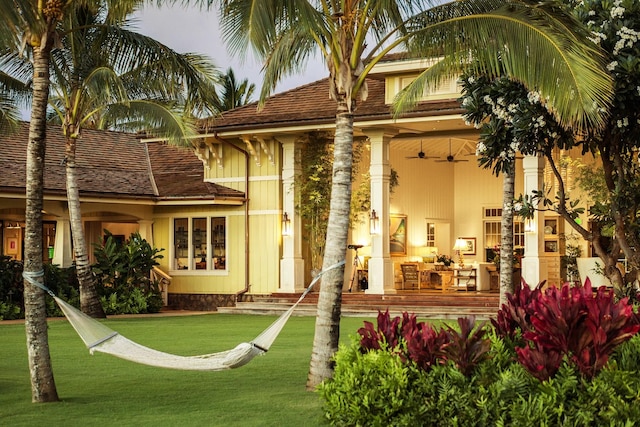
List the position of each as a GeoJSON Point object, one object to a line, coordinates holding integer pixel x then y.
{"type": "Point", "coordinates": [12, 246]}
{"type": "Point", "coordinates": [398, 235]}
{"type": "Point", "coordinates": [470, 248]}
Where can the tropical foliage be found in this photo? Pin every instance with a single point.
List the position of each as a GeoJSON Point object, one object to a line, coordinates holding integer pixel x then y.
{"type": "Point", "coordinates": [565, 356]}
{"type": "Point", "coordinates": [612, 186]}
{"type": "Point", "coordinates": [123, 271]}
{"type": "Point", "coordinates": [354, 36]}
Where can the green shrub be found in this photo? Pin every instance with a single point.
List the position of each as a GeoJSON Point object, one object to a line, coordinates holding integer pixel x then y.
{"type": "Point", "coordinates": [565, 357]}
{"type": "Point", "coordinates": [375, 388]}
{"type": "Point", "coordinates": [122, 272]}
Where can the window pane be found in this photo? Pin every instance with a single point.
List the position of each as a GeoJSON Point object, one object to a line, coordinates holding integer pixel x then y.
{"type": "Point", "coordinates": [219, 243]}
{"type": "Point", "coordinates": [181, 243]}
{"type": "Point", "coordinates": [199, 243]}
{"type": "Point", "coordinates": [431, 234]}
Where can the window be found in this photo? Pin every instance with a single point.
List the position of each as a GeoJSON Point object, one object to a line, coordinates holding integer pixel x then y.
{"type": "Point", "coordinates": [431, 234]}
{"type": "Point", "coordinates": [199, 243]}
{"type": "Point", "coordinates": [493, 234]}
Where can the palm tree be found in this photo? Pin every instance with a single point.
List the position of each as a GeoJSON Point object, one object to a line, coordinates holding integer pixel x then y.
{"type": "Point", "coordinates": [234, 94]}
{"type": "Point", "coordinates": [30, 27]}
{"type": "Point", "coordinates": [34, 22]}
{"type": "Point", "coordinates": [353, 36]}
{"type": "Point", "coordinates": [107, 76]}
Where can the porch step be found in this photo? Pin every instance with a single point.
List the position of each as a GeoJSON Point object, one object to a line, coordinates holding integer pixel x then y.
{"type": "Point", "coordinates": [424, 305]}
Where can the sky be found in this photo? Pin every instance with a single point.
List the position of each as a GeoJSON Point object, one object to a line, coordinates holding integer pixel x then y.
{"type": "Point", "coordinates": [195, 31]}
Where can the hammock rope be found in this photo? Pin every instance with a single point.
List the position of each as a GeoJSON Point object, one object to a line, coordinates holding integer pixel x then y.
{"type": "Point", "coordinates": [99, 337]}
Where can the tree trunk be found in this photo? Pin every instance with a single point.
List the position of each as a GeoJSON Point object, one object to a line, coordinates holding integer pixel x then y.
{"type": "Point", "coordinates": [89, 300]}
{"type": "Point", "coordinates": [506, 239]}
{"type": "Point", "coordinates": [43, 387]}
{"type": "Point", "coordinates": [327, 331]}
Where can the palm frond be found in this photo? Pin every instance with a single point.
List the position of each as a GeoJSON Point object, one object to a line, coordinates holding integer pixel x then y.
{"type": "Point", "coordinates": [541, 47]}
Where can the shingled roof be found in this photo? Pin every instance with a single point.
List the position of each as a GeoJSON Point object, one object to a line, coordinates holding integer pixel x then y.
{"type": "Point", "coordinates": [310, 105]}
{"type": "Point", "coordinates": [110, 164]}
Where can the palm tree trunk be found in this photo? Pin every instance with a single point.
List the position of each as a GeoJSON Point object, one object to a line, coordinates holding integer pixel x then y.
{"type": "Point", "coordinates": [43, 387]}
{"type": "Point", "coordinates": [506, 239]}
{"type": "Point", "coordinates": [327, 331]}
{"type": "Point", "coordinates": [89, 300]}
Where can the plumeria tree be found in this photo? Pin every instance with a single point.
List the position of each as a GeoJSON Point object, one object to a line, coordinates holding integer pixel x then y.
{"type": "Point", "coordinates": [614, 205]}
{"type": "Point", "coordinates": [512, 120]}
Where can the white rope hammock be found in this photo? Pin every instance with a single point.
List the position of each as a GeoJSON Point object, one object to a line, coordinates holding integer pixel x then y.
{"type": "Point", "coordinates": [98, 337]}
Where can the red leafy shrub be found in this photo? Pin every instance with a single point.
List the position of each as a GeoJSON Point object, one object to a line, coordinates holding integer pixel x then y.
{"type": "Point", "coordinates": [570, 322]}
{"type": "Point", "coordinates": [468, 347]}
{"type": "Point", "coordinates": [425, 346]}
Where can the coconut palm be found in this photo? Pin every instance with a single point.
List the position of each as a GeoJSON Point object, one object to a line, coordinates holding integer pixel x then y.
{"type": "Point", "coordinates": [354, 35]}
{"type": "Point", "coordinates": [233, 93]}
{"type": "Point", "coordinates": [33, 24]}
{"type": "Point", "coordinates": [107, 76]}
{"type": "Point", "coordinates": [31, 28]}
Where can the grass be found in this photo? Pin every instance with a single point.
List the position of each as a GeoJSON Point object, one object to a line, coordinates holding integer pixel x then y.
{"type": "Point", "coordinates": [102, 390]}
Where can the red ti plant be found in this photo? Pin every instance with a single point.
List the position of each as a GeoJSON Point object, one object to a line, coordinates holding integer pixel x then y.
{"type": "Point", "coordinates": [468, 347]}
{"type": "Point", "coordinates": [571, 322]}
{"type": "Point", "coordinates": [387, 332]}
{"type": "Point", "coordinates": [425, 346]}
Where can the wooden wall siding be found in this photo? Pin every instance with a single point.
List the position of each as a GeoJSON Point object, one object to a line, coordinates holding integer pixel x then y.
{"type": "Point", "coordinates": [233, 165]}
{"type": "Point", "coordinates": [475, 188]}
{"type": "Point", "coordinates": [264, 265]}
{"type": "Point", "coordinates": [425, 190]}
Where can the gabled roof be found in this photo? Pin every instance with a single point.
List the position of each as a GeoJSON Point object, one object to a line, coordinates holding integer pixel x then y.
{"type": "Point", "coordinates": [110, 165]}
{"type": "Point", "coordinates": [310, 105]}
{"type": "Point", "coordinates": [178, 173]}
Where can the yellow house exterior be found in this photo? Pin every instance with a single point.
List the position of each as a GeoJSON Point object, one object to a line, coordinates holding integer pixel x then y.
{"type": "Point", "coordinates": [216, 208]}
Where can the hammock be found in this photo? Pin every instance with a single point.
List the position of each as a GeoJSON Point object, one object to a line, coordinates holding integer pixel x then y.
{"type": "Point", "coordinates": [98, 337]}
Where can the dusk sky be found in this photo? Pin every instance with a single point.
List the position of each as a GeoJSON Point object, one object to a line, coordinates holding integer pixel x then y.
{"type": "Point", "coordinates": [193, 30]}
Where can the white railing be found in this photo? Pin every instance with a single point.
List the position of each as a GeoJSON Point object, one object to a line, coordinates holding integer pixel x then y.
{"type": "Point", "coordinates": [164, 280]}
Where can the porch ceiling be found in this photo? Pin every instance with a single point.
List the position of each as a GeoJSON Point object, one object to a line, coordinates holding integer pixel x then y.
{"type": "Point", "coordinates": [461, 145]}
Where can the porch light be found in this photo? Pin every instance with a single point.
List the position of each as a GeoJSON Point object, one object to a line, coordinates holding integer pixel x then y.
{"type": "Point", "coordinates": [374, 223]}
{"type": "Point", "coordinates": [286, 225]}
{"type": "Point", "coordinates": [459, 246]}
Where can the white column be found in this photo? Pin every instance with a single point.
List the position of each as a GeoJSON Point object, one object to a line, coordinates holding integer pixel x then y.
{"type": "Point", "coordinates": [291, 264]}
{"type": "Point", "coordinates": [62, 254]}
{"type": "Point", "coordinates": [534, 266]}
{"type": "Point", "coordinates": [145, 228]}
{"type": "Point", "coordinates": [380, 264]}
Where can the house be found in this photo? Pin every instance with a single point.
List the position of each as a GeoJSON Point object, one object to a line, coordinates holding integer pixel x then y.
{"type": "Point", "coordinates": [217, 207]}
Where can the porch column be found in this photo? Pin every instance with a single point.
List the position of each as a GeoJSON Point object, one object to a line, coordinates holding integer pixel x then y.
{"type": "Point", "coordinates": [145, 228]}
{"type": "Point", "coordinates": [380, 264]}
{"type": "Point", "coordinates": [291, 264]}
{"type": "Point", "coordinates": [62, 254]}
{"type": "Point", "coordinates": [534, 266]}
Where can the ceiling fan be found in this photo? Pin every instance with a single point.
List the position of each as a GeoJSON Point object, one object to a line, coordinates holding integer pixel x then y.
{"type": "Point", "coordinates": [421, 154]}
{"type": "Point", "coordinates": [450, 157]}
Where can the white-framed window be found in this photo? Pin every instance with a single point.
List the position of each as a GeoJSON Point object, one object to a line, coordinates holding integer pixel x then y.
{"type": "Point", "coordinates": [431, 234]}
{"type": "Point", "coordinates": [493, 236]}
{"type": "Point", "coordinates": [200, 243]}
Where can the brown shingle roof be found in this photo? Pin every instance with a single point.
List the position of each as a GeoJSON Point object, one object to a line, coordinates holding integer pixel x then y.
{"type": "Point", "coordinates": [310, 105]}
{"type": "Point", "coordinates": [179, 174]}
{"type": "Point", "coordinates": [109, 164]}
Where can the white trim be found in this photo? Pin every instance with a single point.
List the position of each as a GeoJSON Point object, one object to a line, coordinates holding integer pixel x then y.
{"type": "Point", "coordinates": [241, 179]}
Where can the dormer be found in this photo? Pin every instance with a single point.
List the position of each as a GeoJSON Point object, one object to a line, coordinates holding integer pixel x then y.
{"type": "Point", "coordinates": [398, 74]}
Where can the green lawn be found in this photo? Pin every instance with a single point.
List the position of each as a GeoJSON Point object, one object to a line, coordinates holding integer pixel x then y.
{"type": "Point", "coordinates": [102, 390]}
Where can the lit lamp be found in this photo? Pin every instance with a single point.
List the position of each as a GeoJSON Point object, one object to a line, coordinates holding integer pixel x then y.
{"type": "Point", "coordinates": [286, 225]}
{"type": "Point", "coordinates": [459, 246]}
{"type": "Point", "coordinates": [374, 223]}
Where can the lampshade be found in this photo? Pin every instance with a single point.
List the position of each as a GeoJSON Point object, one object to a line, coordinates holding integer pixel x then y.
{"type": "Point", "coordinates": [460, 244]}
